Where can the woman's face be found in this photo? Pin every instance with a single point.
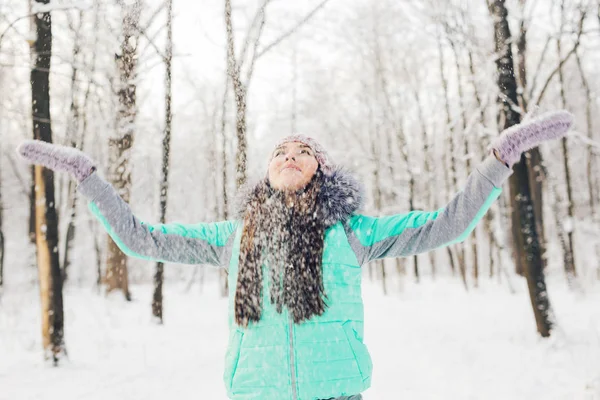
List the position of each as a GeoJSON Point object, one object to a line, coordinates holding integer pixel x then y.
{"type": "Point", "coordinates": [292, 166]}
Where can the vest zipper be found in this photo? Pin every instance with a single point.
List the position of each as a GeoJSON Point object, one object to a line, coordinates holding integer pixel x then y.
{"type": "Point", "coordinates": [292, 362]}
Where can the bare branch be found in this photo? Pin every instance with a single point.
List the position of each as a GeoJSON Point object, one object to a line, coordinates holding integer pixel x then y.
{"type": "Point", "coordinates": [150, 42]}
{"type": "Point", "coordinates": [153, 16]}
{"type": "Point", "coordinates": [22, 185]}
{"type": "Point", "coordinates": [10, 26]}
{"type": "Point", "coordinates": [564, 60]}
{"type": "Point", "coordinates": [232, 68]}
{"type": "Point", "coordinates": [539, 66]}
{"type": "Point", "coordinates": [582, 138]}
{"type": "Point", "coordinates": [255, 47]}
{"type": "Point", "coordinates": [259, 16]}
{"type": "Point", "coordinates": [291, 31]}
{"type": "Point", "coordinates": [152, 38]}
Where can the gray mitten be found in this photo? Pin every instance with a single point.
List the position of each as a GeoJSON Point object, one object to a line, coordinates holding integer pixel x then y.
{"type": "Point", "coordinates": [530, 133]}
{"type": "Point", "coordinates": [57, 158]}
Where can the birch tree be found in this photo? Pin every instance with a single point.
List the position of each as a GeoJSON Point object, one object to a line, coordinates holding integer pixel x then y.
{"type": "Point", "coordinates": [120, 145]}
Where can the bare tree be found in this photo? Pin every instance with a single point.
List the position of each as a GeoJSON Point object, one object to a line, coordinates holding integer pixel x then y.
{"type": "Point", "coordinates": [590, 170]}
{"type": "Point", "coordinates": [1, 226]}
{"type": "Point", "coordinates": [520, 189]}
{"type": "Point", "coordinates": [536, 171]}
{"type": "Point", "coordinates": [463, 115]}
{"type": "Point", "coordinates": [46, 217]}
{"type": "Point", "coordinates": [451, 179]}
{"type": "Point", "coordinates": [240, 87]}
{"type": "Point", "coordinates": [247, 58]}
{"type": "Point", "coordinates": [567, 245]}
{"type": "Point", "coordinates": [72, 138]}
{"type": "Point", "coordinates": [2, 246]}
{"type": "Point", "coordinates": [120, 146]}
{"type": "Point", "coordinates": [224, 282]}
{"type": "Point", "coordinates": [591, 162]}
{"type": "Point", "coordinates": [490, 216]}
{"type": "Point", "coordinates": [378, 195]}
{"type": "Point", "coordinates": [157, 298]}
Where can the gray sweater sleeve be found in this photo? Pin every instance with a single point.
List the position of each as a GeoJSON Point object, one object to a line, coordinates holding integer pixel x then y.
{"type": "Point", "coordinates": [417, 232]}
{"type": "Point", "coordinates": [202, 243]}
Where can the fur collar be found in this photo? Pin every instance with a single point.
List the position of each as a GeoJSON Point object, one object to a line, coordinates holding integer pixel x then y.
{"type": "Point", "coordinates": [341, 195]}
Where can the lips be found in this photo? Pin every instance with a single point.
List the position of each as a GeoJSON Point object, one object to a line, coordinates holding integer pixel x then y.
{"type": "Point", "coordinates": [293, 167]}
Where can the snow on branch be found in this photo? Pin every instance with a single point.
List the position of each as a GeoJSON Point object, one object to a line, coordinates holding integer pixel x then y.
{"type": "Point", "coordinates": [54, 6]}
{"type": "Point", "coordinates": [585, 140]}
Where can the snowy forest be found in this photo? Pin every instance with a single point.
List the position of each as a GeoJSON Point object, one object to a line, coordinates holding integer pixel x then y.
{"type": "Point", "coordinates": [180, 103]}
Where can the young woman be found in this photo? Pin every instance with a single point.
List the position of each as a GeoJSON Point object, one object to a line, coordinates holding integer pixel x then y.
{"type": "Point", "coordinates": [295, 253]}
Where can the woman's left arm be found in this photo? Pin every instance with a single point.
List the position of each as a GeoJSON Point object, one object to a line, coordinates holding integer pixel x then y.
{"type": "Point", "coordinates": [417, 232]}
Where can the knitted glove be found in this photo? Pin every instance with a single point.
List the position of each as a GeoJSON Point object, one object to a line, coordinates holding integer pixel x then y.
{"type": "Point", "coordinates": [57, 158]}
{"type": "Point", "coordinates": [530, 133]}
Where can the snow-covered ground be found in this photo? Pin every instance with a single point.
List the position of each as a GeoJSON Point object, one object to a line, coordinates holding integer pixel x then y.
{"type": "Point", "coordinates": [430, 341]}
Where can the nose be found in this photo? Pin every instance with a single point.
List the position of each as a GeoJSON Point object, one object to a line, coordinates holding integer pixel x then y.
{"type": "Point", "coordinates": [290, 155]}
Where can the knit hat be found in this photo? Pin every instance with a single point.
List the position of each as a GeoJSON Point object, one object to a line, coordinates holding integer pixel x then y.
{"type": "Point", "coordinates": [318, 150]}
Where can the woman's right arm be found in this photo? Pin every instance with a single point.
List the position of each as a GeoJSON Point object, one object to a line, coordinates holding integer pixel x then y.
{"type": "Point", "coordinates": [202, 243]}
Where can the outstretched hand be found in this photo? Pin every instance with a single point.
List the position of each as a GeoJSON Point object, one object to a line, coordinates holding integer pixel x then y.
{"type": "Point", "coordinates": [512, 142]}
{"type": "Point", "coordinates": [57, 158]}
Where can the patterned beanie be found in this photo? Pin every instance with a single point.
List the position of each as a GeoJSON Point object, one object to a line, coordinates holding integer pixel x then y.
{"type": "Point", "coordinates": [320, 153]}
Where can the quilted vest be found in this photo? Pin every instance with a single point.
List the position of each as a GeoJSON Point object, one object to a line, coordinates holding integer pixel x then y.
{"type": "Point", "coordinates": [276, 359]}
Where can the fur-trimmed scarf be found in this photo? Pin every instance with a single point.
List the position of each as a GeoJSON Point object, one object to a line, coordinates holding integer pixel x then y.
{"type": "Point", "coordinates": [285, 232]}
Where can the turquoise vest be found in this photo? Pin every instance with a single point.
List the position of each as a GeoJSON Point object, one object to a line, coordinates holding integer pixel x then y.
{"type": "Point", "coordinates": [275, 359]}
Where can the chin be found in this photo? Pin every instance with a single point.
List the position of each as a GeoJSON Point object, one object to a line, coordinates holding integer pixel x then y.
{"type": "Point", "coordinates": [291, 186]}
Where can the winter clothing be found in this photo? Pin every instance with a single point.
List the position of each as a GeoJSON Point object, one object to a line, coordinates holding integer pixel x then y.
{"type": "Point", "coordinates": [309, 345]}
{"type": "Point", "coordinates": [57, 157]}
{"type": "Point", "coordinates": [517, 139]}
{"type": "Point", "coordinates": [325, 356]}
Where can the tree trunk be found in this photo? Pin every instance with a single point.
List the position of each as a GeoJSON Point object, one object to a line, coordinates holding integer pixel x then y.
{"type": "Point", "coordinates": [1, 229]}
{"type": "Point", "coordinates": [522, 58]}
{"type": "Point", "coordinates": [378, 195]}
{"type": "Point", "coordinates": [157, 298]}
{"type": "Point", "coordinates": [568, 249]}
{"type": "Point", "coordinates": [427, 175]}
{"type": "Point", "coordinates": [72, 133]}
{"type": "Point", "coordinates": [392, 194]}
{"type": "Point", "coordinates": [32, 206]}
{"type": "Point", "coordinates": [450, 173]}
{"type": "Point", "coordinates": [411, 189]}
{"type": "Point", "coordinates": [239, 93]}
{"type": "Point", "coordinates": [536, 171]}
{"type": "Point", "coordinates": [120, 147]}
{"type": "Point", "coordinates": [98, 252]}
{"type": "Point", "coordinates": [488, 221]}
{"type": "Point", "coordinates": [520, 189]}
{"type": "Point", "coordinates": [224, 149]}
{"type": "Point", "coordinates": [82, 145]}
{"type": "Point", "coordinates": [591, 171]}
{"type": "Point", "coordinates": [33, 55]}
{"type": "Point", "coordinates": [224, 284]}
{"type": "Point", "coordinates": [70, 236]}
{"type": "Point", "coordinates": [459, 248]}
{"type": "Point", "coordinates": [396, 125]}
{"type": "Point", "coordinates": [46, 219]}
{"type": "Point", "coordinates": [473, 238]}
{"type": "Point", "coordinates": [1, 204]}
